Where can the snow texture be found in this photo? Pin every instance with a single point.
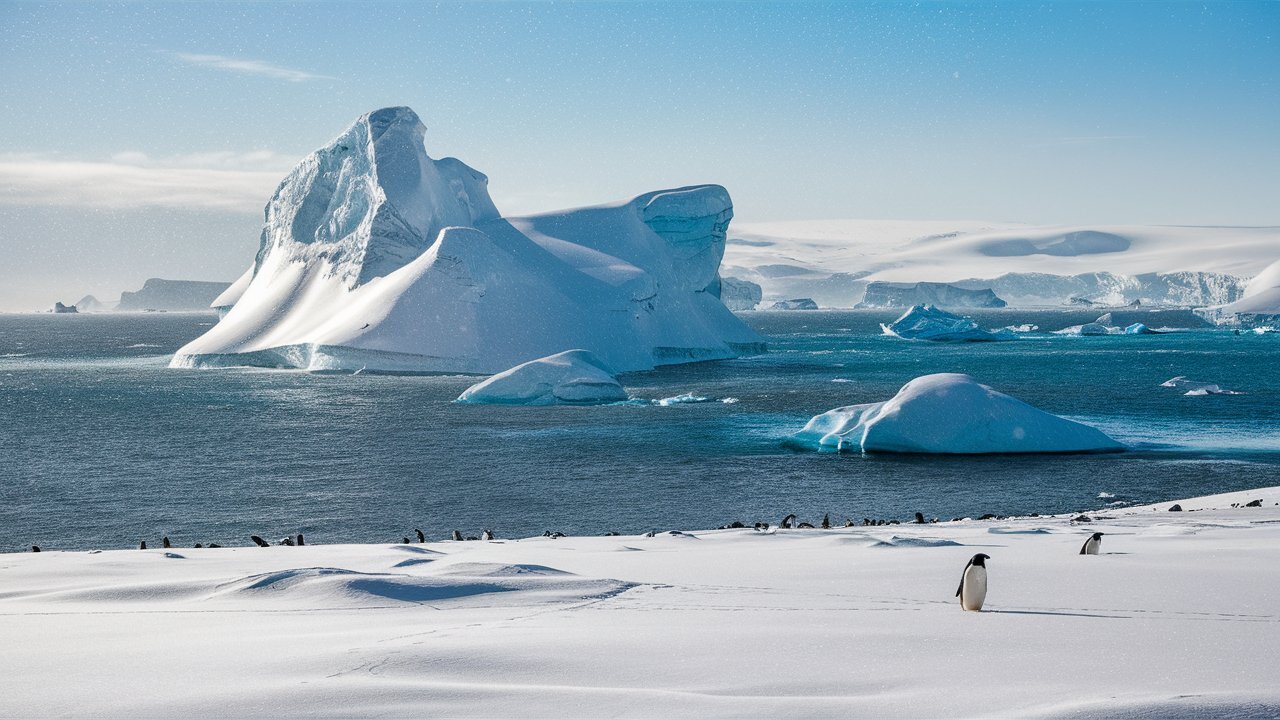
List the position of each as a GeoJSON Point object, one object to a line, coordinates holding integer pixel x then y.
{"type": "Point", "coordinates": [573, 377]}
{"type": "Point", "coordinates": [949, 413]}
{"type": "Point", "coordinates": [1176, 618]}
{"type": "Point", "coordinates": [926, 322]}
{"type": "Point", "coordinates": [376, 256]}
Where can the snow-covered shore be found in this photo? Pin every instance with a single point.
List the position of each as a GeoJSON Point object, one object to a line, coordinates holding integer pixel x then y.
{"type": "Point", "coordinates": [1177, 617]}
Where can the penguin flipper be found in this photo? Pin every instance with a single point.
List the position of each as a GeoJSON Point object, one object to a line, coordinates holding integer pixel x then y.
{"type": "Point", "coordinates": [959, 589]}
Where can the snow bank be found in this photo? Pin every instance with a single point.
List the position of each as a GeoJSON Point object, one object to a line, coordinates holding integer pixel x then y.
{"type": "Point", "coordinates": [949, 413]}
{"type": "Point", "coordinates": [926, 322]}
{"type": "Point", "coordinates": [573, 377]}
{"type": "Point", "coordinates": [738, 623]}
{"type": "Point", "coordinates": [1259, 306]}
{"type": "Point", "coordinates": [376, 256]}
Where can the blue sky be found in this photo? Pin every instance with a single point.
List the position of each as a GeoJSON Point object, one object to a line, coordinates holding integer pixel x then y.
{"type": "Point", "coordinates": [142, 139]}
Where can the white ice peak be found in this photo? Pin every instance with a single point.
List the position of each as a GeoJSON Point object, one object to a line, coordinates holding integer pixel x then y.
{"type": "Point", "coordinates": [375, 256]}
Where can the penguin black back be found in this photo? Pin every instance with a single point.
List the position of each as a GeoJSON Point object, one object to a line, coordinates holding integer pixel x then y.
{"type": "Point", "coordinates": [980, 560]}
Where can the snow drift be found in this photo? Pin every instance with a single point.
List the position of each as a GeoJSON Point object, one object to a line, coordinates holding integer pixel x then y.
{"type": "Point", "coordinates": [949, 413]}
{"type": "Point", "coordinates": [573, 377]}
{"type": "Point", "coordinates": [376, 256]}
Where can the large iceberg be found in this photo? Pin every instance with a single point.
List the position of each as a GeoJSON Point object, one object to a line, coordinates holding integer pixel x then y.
{"type": "Point", "coordinates": [376, 256]}
{"type": "Point", "coordinates": [926, 322]}
{"type": "Point", "coordinates": [949, 413]}
{"type": "Point", "coordinates": [891, 294]}
{"type": "Point", "coordinates": [573, 377]}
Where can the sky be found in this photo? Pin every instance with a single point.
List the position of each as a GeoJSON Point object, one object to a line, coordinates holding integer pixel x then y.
{"type": "Point", "coordinates": [143, 139]}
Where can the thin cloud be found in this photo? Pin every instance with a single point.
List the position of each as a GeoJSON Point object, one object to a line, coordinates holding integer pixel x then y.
{"type": "Point", "coordinates": [249, 67]}
{"type": "Point", "coordinates": [234, 182]}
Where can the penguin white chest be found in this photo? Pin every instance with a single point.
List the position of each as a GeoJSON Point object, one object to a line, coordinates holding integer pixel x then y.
{"type": "Point", "coordinates": [974, 590]}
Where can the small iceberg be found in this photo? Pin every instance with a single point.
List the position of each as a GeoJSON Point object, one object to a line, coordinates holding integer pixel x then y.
{"type": "Point", "coordinates": [949, 413]}
{"type": "Point", "coordinates": [926, 322]}
{"type": "Point", "coordinates": [1140, 329]}
{"type": "Point", "coordinates": [1195, 388]}
{"type": "Point", "coordinates": [573, 377]}
{"type": "Point", "coordinates": [1085, 330]}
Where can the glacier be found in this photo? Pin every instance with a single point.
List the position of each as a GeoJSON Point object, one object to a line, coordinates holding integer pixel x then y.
{"type": "Point", "coordinates": [1258, 307]}
{"type": "Point", "coordinates": [573, 377]}
{"type": "Point", "coordinates": [926, 322]}
{"type": "Point", "coordinates": [375, 256]}
{"type": "Point", "coordinates": [949, 413]}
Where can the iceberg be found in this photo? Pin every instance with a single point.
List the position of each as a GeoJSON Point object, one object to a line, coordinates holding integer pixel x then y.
{"type": "Point", "coordinates": [1196, 388]}
{"type": "Point", "coordinates": [376, 256]}
{"type": "Point", "coordinates": [172, 295]}
{"type": "Point", "coordinates": [796, 304]}
{"type": "Point", "coordinates": [891, 294]}
{"type": "Point", "coordinates": [1086, 329]}
{"type": "Point", "coordinates": [739, 295]}
{"type": "Point", "coordinates": [1140, 329]}
{"type": "Point", "coordinates": [926, 322]}
{"type": "Point", "coordinates": [949, 413]}
{"type": "Point", "coordinates": [573, 377]}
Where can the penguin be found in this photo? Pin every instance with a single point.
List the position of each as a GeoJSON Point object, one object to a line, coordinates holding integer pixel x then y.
{"type": "Point", "coordinates": [457, 535]}
{"type": "Point", "coordinates": [199, 545]}
{"type": "Point", "coordinates": [214, 545]}
{"type": "Point", "coordinates": [787, 521]}
{"type": "Point", "coordinates": [142, 545]}
{"type": "Point", "coordinates": [286, 540]}
{"type": "Point", "coordinates": [406, 540]}
{"type": "Point", "coordinates": [486, 535]}
{"type": "Point", "coordinates": [164, 541]}
{"type": "Point", "coordinates": [919, 518]}
{"type": "Point", "coordinates": [1092, 545]}
{"type": "Point", "coordinates": [973, 583]}
{"type": "Point", "coordinates": [421, 537]}
{"type": "Point", "coordinates": [259, 541]}
{"type": "Point", "coordinates": [35, 548]}
{"type": "Point", "coordinates": [300, 539]}
{"type": "Point", "coordinates": [826, 521]}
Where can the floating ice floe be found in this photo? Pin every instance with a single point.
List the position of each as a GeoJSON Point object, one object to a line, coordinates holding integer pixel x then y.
{"type": "Point", "coordinates": [1196, 388]}
{"type": "Point", "coordinates": [949, 413]}
{"type": "Point", "coordinates": [573, 377]}
{"type": "Point", "coordinates": [1085, 330]}
{"type": "Point", "coordinates": [926, 322]}
{"type": "Point", "coordinates": [375, 255]}
{"type": "Point", "coordinates": [1140, 329]}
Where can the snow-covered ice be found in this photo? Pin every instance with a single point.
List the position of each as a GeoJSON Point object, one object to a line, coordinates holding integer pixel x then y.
{"type": "Point", "coordinates": [833, 261]}
{"type": "Point", "coordinates": [949, 413]}
{"type": "Point", "coordinates": [376, 256]}
{"type": "Point", "coordinates": [573, 377]}
{"type": "Point", "coordinates": [1175, 618]}
{"type": "Point", "coordinates": [926, 322]}
{"type": "Point", "coordinates": [1196, 388]}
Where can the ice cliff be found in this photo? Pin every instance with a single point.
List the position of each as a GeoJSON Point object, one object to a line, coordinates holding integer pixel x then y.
{"type": "Point", "coordinates": [374, 255]}
{"type": "Point", "coordinates": [891, 294]}
{"type": "Point", "coordinates": [949, 413]}
{"type": "Point", "coordinates": [172, 295]}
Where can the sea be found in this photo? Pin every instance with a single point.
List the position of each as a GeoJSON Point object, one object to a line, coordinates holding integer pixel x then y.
{"type": "Point", "coordinates": [102, 445]}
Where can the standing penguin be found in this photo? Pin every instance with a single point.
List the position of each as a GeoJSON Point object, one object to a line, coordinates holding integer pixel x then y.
{"type": "Point", "coordinates": [973, 583]}
{"type": "Point", "coordinates": [1092, 545]}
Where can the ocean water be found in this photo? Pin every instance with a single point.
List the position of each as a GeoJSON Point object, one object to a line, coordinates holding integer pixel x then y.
{"type": "Point", "coordinates": [102, 445]}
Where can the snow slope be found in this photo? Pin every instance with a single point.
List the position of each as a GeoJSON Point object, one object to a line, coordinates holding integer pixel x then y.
{"type": "Point", "coordinates": [1261, 301]}
{"type": "Point", "coordinates": [949, 413]}
{"type": "Point", "coordinates": [1176, 618]}
{"type": "Point", "coordinates": [786, 257]}
{"type": "Point", "coordinates": [376, 256]}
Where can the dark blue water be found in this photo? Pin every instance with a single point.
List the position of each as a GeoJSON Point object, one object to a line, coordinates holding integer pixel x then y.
{"type": "Point", "coordinates": [101, 445]}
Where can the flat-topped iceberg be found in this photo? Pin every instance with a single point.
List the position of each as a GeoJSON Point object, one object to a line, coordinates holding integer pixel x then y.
{"type": "Point", "coordinates": [376, 256]}
{"type": "Point", "coordinates": [926, 322]}
{"type": "Point", "coordinates": [949, 413]}
{"type": "Point", "coordinates": [573, 377]}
